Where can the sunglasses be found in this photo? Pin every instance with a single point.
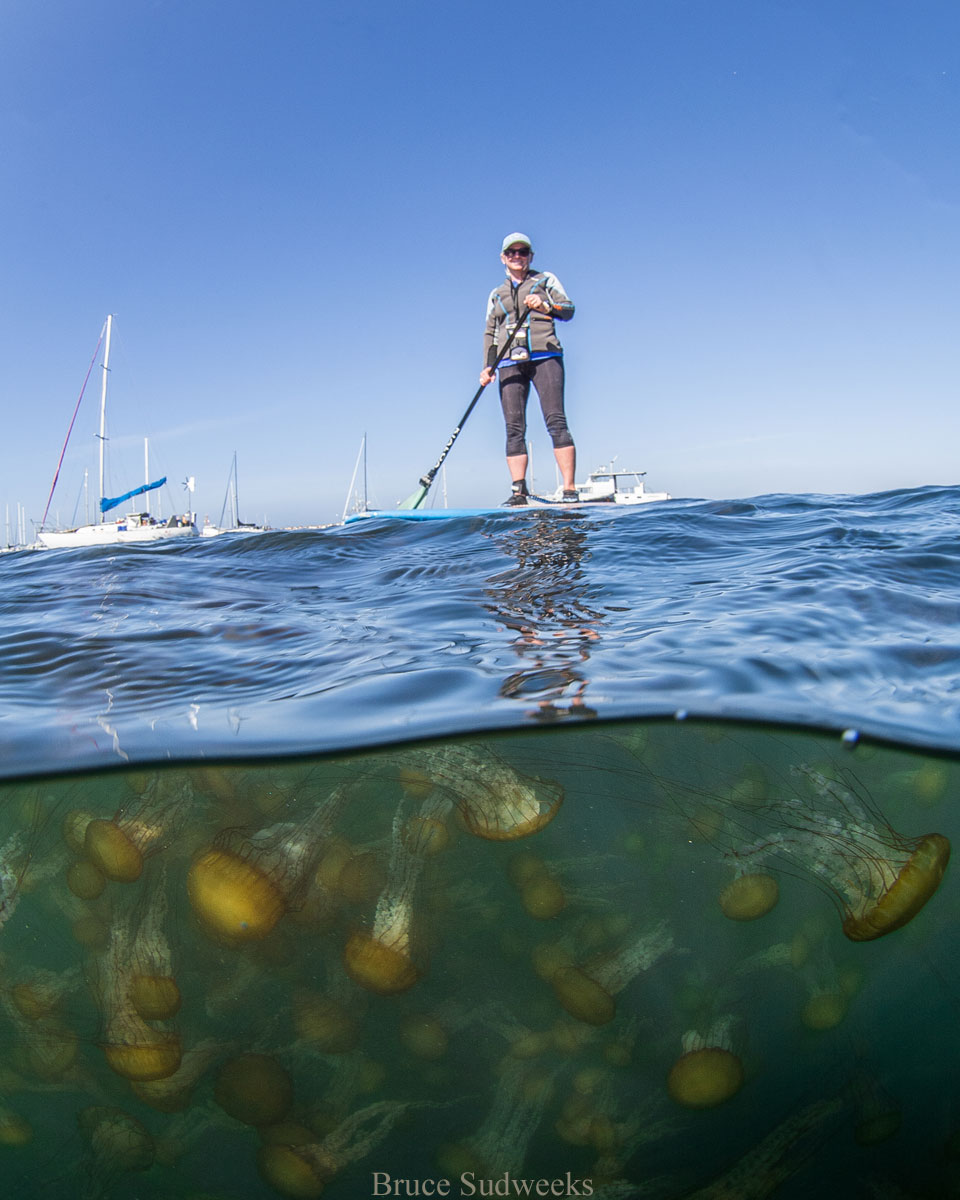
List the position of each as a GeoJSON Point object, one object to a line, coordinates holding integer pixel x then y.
{"type": "Point", "coordinates": [513, 252]}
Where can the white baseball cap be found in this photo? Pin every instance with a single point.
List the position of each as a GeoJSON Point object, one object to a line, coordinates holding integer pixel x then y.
{"type": "Point", "coordinates": [515, 239]}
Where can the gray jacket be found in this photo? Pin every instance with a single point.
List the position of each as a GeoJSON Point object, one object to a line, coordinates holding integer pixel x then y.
{"type": "Point", "coordinates": [505, 307]}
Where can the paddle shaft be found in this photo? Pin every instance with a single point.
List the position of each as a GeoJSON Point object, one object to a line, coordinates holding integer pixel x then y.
{"type": "Point", "coordinates": [427, 480]}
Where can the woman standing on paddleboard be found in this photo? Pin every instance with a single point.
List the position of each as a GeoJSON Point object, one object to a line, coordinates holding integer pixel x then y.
{"type": "Point", "coordinates": [536, 357]}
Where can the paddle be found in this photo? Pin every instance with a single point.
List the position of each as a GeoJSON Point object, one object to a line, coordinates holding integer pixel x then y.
{"type": "Point", "coordinates": [415, 499]}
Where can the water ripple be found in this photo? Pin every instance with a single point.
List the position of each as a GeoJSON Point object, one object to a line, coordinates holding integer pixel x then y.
{"type": "Point", "coordinates": [825, 610]}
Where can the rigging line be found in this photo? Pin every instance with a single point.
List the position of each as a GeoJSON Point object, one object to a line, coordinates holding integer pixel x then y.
{"type": "Point", "coordinates": [56, 475]}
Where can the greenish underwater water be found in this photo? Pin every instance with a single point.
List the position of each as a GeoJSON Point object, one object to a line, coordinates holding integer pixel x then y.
{"type": "Point", "coordinates": [663, 958]}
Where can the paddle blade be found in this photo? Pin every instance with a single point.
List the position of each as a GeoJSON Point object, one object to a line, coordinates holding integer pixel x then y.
{"type": "Point", "coordinates": [415, 499]}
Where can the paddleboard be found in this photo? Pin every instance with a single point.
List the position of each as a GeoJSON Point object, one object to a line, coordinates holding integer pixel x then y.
{"type": "Point", "coordinates": [535, 504]}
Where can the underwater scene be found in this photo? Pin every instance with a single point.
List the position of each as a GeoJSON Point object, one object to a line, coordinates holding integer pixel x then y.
{"type": "Point", "coordinates": [661, 958]}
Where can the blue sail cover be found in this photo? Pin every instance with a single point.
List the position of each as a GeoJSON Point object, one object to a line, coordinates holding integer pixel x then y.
{"type": "Point", "coordinates": [106, 505]}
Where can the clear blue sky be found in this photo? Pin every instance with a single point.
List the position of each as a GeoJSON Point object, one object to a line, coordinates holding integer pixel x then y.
{"type": "Point", "coordinates": [295, 210]}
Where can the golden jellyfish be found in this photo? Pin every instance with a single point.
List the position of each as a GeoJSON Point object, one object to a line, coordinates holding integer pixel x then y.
{"type": "Point", "coordinates": [708, 1072]}
{"type": "Point", "coordinates": [133, 1048]}
{"type": "Point", "coordinates": [173, 1093]}
{"type": "Point", "coordinates": [424, 1036]}
{"type": "Point", "coordinates": [328, 1024]}
{"type": "Point", "coordinates": [587, 992]}
{"type": "Point", "coordinates": [37, 994]}
{"type": "Point", "coordinates": [14, 1129]}
{"type": "Point", "coordinates": [301, 1171]}
{"type": "Point", "coordinates": [85, 880]}
{"type": "Point", "coordinates": [153, 990]}
{"type": "Point", "coordinates": [119, 1143]}
{"type": "Point", "coordinates": [541, 893]}
{"type": "Point", "coordinates": [45, 1047]}
{"type": "Point", "coordinates": [381, 959]}
{"type": "Point", "coordinates": [749, 896]}
{"type": "Point", "coordinates": [882, 880]}
{"type": "Point", "coordinates": [254, 1089]}
{"type": "Point", "coordinates": [242, 885]}
{"type": "Point", "coordinates": [117, 847]}
{"type": "Point", "coordinates": [494, 800]}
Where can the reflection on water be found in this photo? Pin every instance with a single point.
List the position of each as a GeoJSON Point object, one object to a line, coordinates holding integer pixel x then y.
{"type": "Point", "coordinates": [546, 600]}
{"type": "Point", "coordinates": [667, 959]}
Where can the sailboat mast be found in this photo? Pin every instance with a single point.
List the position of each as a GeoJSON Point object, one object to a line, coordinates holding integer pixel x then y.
{"type": "Point", "coordinates": [103, 409]}
{"type": "Point", "coordinates": [146, 468]}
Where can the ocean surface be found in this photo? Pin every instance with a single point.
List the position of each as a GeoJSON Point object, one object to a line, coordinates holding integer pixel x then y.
{"type": "Point", "coordinates": [554, 850]}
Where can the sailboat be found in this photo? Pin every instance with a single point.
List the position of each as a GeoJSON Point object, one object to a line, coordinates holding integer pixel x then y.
{"type": "Point", "coordinates": [232, 498]}
{"type": "Point", "coordinates": [134, 526]}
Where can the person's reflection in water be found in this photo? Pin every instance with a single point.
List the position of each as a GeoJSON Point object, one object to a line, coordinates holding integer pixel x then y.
{"type": "Point", "coordinates": [545, 598]}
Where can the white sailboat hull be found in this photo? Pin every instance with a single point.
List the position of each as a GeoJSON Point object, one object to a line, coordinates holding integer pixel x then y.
{"type": "Point", "coordinates": [113, 533]}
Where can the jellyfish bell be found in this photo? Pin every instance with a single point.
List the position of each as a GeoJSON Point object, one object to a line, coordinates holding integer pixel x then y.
{"type": "Point", "coordinates": [381, 959]}
{"type": "Point", "coordinates": [330, 1026]}
{"type": "Point", "coordinates": [424, 1037]}
{"type": "Point", "coordinates": [288, 1169]}
{"type": "Point", "coordinates": [899, 901]}
{"type": "Point", "coordinates": [493, 799]}
{"type": "Point", "coordinates": [301, 1171]}
{"type": "Point", "coordinates": [824, 1009]}
{"type": "Point", "coordinates": [708, 1071]}
{"type": "Point", "coordinates": [241, 886]}
{"type": "Point", "coordinates": [138, 1052]}
{"type": "Point", "coordinates": [254, 1089]}
{"type": "Point", "coordinates": [155, 997]}
{"type": "Point", "coordinates": [588, 992]}
{"type": "Point", "coordinates": [749, 896]}
{"type": "Point", "coordinates": [15, 1130]}
{"type": "Point", "coordinates": [705, 1078]}
{"type": "Point", "coordinates": [233, 897]}
{"type": "Point", "coordinates": [85, 880]}
{"type": "Point", "coordinates": [118, 1141]}
{"type": "Point", "coordinates": [117, 847]}
{"type": "Point", "coordinates": [378, 966]}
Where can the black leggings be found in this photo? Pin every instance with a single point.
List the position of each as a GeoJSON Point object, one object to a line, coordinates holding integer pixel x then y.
{"type": "Point", "coordinates": [546, 375]}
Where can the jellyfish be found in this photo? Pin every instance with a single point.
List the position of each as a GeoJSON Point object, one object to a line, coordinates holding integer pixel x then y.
{"type": "Point", "coordinates": [119, 1144]}
{"type": "Point", "coordinates": [876, 1114]}
{"type": "Point", "coordinates": [242, 885]}
{"type": "Point", "coordinates": [881, 878]}
{"type": "Point", "coordinates": [46, 1047]}
{"type": "Point", "coordinates": [381, 960]}
{"type": "Point", "coordinates": [708, 1072]}
{"type": "Point", "coordinates": [780, 1155]}
{"type": "Point", "coordinates": [494, 800]}
{"type": "Point", "coordinates": [15, 1130]}
{"type": "Point", "coordinates": [254, 1089]}
{"type": "Point", "coordinates": [173, 1093]}
{"type": "Point", "coordinates": [500, 1144]}
{"type": "Point", "coordinates": [38, 992]}
{"type": "Point", "coordinates": [588, 992]}
{"type": "Point", "coordinates": [153, 991]}
{"type": "Point", "coordinates": [302, 1171]}
{"type": "Point", "coordinates": [541, 892]}
{"type": "Point", "coordinates": [749, 896]}
{"type": "Point", "coordinates": [133, 1048]}
{"type": "Point", "coordinates": [595, 1116]}
{"type": "Point", "coordinates": [330, 1024]}
{"type": "Point", "coordinates": [117, 847]}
